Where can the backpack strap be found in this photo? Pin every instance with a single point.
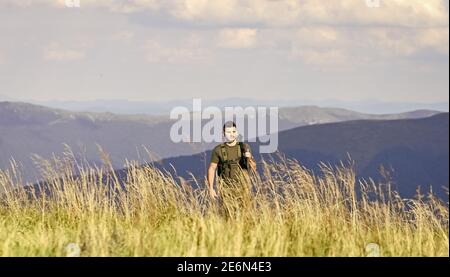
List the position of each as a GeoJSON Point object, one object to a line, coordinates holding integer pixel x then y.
{"type": "Point", "coordinates": [240, 150]}
{"type": "Point", "coordinates": [224, 152]}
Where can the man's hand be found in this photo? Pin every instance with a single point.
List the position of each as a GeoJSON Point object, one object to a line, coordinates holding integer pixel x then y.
{"type": "Point", "coordinates": [212, 194]}
{"type": "Point", "coordinates": [251, 161]}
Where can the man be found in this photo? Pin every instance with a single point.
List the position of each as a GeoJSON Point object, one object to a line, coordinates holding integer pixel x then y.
{"type": "Point", "coordinates": [232, 159]}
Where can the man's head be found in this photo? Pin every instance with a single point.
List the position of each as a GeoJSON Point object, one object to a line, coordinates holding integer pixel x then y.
{"type": "Point", "coordinates": [229, 131]}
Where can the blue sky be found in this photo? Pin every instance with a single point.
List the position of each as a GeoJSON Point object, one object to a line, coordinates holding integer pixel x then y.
{"type": "Point", "coordinates": [164, 50]}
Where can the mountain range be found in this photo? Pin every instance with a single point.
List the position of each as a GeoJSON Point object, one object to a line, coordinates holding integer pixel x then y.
{"type": "Point", "coordinates": [124, 106]}
{"type": "Point", "coordinates": [27, 129]}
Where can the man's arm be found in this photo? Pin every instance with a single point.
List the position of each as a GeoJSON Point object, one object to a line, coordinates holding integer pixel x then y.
{"type": "Point", "coordinates": [211, 173]}
{"type": "Point", "coordinates": [250, 160]}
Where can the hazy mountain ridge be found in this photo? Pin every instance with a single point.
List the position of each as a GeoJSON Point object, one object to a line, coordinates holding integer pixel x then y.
{"type": "Point", "coordinates": [119, 106]}
{"type": "Point", "coordinates": [25, 113]}
{"type": "Point", "coordinates": [27, 129]}
{"type": "Point", "coordinates": [309, 115]}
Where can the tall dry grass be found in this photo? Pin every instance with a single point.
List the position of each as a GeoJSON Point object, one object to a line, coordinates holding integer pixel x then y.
{"type": "Point", "coordinates": [286, 211]}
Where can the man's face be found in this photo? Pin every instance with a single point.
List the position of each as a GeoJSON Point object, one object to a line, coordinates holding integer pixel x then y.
{"type": "Point", "coordinates": [230, 134]}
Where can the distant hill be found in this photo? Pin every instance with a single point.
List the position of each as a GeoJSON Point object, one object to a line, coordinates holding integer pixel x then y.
{"type": "Point", "coordinates": [311, 115]}
{"type": "Point", "coordinates": [27, 129]}
{"type": "Point", "coordinates": [122, 106]}
{"type": "Point", "coordinates": [415, 151]}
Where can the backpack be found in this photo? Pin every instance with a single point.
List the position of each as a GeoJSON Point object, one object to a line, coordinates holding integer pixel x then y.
{"type": "Point", "coordinates": [226, 167]}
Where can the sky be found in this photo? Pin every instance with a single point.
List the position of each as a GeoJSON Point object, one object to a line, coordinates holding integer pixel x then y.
{"type": "Point", "coordinates": [149, 50]}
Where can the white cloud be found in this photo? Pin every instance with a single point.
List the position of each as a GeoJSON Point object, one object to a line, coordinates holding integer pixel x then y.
{"type": "Point", "coordinates": [56, 52]}
{"type": "Point", "coordinates": [344, 30]}
{"type": "Point", "coordinates": [217, 11]}
{"type": "Point", "coordinates": [189, 51]}
{"type": "Point", "coordinates": [13, 3]}
{"type": "Point", "coordinates": [283, 13]}
{"type": "Point", "coordinates": [323, 33]}
{"type": "Point", "coordinates": [435, 38]}
{"type": "Point", "coordinates": [326, 46]}
{"type": "Point", "coordinates": [128, 6]}
{"type": "Point", "coordinates": [316, 36]}
{"type": "Point", "coordinates": [400, 42]}
{"type": "Point", "coordinates": [237, 38]}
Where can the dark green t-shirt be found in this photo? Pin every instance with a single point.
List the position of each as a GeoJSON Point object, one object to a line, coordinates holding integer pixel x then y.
{"type": "Point", "coordinates": [230, 170]}
{"type": "Point", "coordinates": [232, 152]}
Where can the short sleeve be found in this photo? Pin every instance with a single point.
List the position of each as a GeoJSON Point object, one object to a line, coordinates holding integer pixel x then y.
{"type": "Point", "coordinates": [215, 156]}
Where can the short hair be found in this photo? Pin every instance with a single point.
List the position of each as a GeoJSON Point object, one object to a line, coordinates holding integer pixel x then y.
{"type": "Point", "coordinates": [229, 124]}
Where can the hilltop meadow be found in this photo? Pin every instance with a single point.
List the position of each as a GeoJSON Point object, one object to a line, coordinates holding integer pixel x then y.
{"type": "Point", "coordinates": [286, 211]}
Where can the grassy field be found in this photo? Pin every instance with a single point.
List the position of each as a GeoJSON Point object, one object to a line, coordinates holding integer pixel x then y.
{"type": "Point", "coordinates": [289, 211]}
